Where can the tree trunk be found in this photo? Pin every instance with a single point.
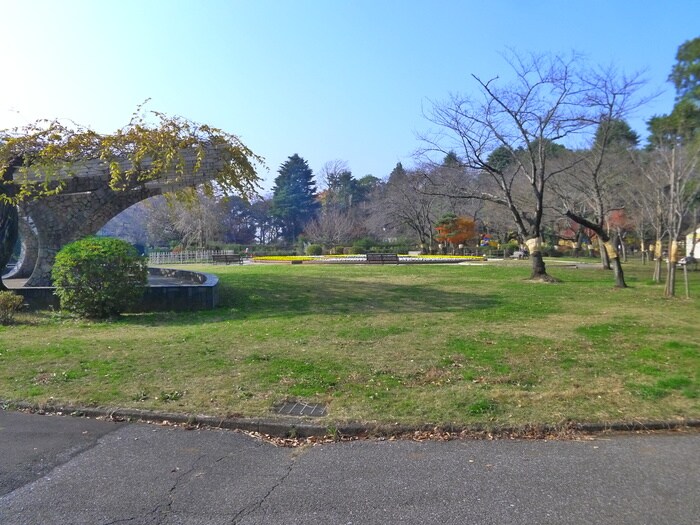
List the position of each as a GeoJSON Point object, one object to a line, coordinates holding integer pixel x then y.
{"type": "Point", "coordinates": [608, 248]}
{"type": "Point", "coordinates": [657, 261]}
{"type": "Point", "coordinates": [614, 257]}
{"type": "Point", "coordinates": [619, 274]}
{"type": "Point", "coordinates": [604, 259]}
{"type": "Point", "coordinates": [670, 289]}
{"type": "Point", "coordinates": [623, 247]}
{"type": "Point", "coordinates": [539, 271]}
{"type": "Point", "coordinates": [578, 239]}
{"type": "Point", "coordinates": [657, 270]}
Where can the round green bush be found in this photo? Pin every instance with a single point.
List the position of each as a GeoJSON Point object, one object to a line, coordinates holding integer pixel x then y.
{"type": "Point", "coordinates": [99, 277]}
{"type": "Point", "coordinates": [314, 249]}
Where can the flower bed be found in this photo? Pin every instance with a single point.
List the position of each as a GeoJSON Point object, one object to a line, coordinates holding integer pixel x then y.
{"type": "Point", "coordinates": [361, 259]}
{"type": "Point", "coordinates": [283, 258]}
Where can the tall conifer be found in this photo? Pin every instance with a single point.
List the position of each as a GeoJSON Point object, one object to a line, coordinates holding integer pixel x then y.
{"type": "Point", "coordinates": [294, 201]}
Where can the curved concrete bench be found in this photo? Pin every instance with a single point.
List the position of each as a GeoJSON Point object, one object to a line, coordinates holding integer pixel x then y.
{"type": "Point", "coordinates": [168, 290]}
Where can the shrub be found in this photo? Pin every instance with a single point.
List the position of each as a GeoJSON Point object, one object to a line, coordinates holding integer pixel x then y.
{"type": "Point", "coordinates": [363, 245]}
{"type": "Point", "coordinates": [314, 249]}
{"type": "Point", "coordinates": [9, 304]}
{"type": "Point", "coordinates": [550, 251]}
{"type": "Point", "coordinates": [99, 277]}
{"type": "Point", "coordinates": [390, 248]}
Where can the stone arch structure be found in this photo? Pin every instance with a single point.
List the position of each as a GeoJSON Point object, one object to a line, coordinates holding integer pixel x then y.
{"type": "Point", "coordinates": [86, 203]}
{"type": "Point", "coordinates": [29, 249]}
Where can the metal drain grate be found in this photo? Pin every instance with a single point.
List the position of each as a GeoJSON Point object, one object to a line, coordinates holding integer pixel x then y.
{"type": "Point", "coordinates": [299, 408]}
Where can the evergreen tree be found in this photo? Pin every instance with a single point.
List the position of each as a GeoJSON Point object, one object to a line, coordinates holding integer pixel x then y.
{"type": "Point", "coordinates": [294, 201]}
{"type": "Point", "coordinates": [451, 160]}
{"type": "Point", "coordinates": [616, 133]}
{"type": "Point", "coordinates": [398, 173]}
{"type": "Point", "coordinates": [342, 189]}
{"type": "Point", "coordinates": [686, 72]}
{"type": "Point", "coordinates": [365, 186]}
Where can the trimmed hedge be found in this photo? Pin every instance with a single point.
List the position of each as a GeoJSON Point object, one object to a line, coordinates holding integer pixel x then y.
{"type": "Point", "coordinates": [99, 277]}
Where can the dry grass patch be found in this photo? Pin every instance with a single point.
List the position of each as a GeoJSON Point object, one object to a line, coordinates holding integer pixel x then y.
{"type": "Point", "coordinates": [411, 344]}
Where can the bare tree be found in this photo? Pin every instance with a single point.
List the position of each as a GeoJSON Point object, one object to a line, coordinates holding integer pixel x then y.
{"type": "Point", "coordinates": [330, 171]}
{"type": "Point", "coordinates": [160, 230]}
{"type": "Point", "coordinates": [675, 166]}
{"type": "Point", "coordinates": [592, 192]}
{"type": "Point", "coordinates": [639, 205]}
{"type": "Point", "coordinates": [195, 221]}
{"type": "Point", "coordinates": [513, 134]}
{"type": "Point", "coordinates": [332, 228]}
{"type": "Point", "coordinates": [596, 181]}
{"type": "Point", "coordinates": [404, 204]}
{"type": "Point", "coordinates": [647, 194]}
{"type": "Point", "coordinates": [675, 159]}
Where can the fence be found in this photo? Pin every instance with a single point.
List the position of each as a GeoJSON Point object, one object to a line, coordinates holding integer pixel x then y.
{"type": "Point", "coordinates": [186, 257]}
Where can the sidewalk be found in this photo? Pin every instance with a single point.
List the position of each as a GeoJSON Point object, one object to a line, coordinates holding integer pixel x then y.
{"type": "Point", "coordinates": [92, 472]}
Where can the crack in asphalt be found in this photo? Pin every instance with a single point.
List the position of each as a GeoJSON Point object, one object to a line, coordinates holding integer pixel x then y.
{"type": "Point", "coordinates": [175, 486]}
{"type": "Point", "coordinates": [250, 509]}
{"type": "Point", "coordinates": [164, 508]}
{"type": "Point", "coordinates": [120, 520]}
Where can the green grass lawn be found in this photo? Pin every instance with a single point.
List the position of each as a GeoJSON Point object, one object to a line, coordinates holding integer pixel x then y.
{"type": "Point", "coordinates": [434, 344]}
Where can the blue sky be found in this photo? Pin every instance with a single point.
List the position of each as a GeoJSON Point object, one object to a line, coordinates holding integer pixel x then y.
{"type": "Point", "coordinates": [327, 79]}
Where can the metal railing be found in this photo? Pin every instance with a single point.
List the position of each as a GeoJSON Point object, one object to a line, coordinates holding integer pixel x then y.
{"type": "Point", "coordinates": [186, 257]}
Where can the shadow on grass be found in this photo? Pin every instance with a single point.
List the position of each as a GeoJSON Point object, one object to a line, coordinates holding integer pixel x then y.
{"type": "Point", "coordinates": [282, 296]}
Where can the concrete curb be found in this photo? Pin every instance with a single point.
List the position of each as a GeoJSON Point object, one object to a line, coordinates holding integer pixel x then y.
{"type": "Point", "coordinates": [294, 427]}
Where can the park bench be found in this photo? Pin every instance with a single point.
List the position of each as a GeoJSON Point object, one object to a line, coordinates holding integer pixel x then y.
{"type": "Point", "coordinates": [226, 258]}
{"type": "Point", "coordinates": [382, 258]}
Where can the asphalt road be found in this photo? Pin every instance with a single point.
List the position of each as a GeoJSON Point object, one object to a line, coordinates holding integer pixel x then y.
{"type": "Point", "coordinates": [62, 470]}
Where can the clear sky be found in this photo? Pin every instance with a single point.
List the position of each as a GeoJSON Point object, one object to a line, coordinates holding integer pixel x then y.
{"type": "Point", "coordinates": [327, 79]}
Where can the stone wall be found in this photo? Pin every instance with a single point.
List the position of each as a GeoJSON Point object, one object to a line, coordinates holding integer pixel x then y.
{"type": "Point", "coordinates": [202, 294]}
{"type": "Point", "coordinates": [87, 202]}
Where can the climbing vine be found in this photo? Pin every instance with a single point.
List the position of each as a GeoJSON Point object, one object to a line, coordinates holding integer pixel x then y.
{"type": "Point", "coordinates": [35, 160]}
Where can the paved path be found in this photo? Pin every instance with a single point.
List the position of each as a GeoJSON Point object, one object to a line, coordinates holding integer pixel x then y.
{"type": "Point", "coordinates": [61, 470]}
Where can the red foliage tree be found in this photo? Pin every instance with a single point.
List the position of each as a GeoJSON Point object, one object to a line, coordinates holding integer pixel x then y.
{"type": "Point", "coordinates": [455, 230]}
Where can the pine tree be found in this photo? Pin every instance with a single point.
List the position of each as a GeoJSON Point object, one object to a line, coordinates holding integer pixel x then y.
{"type": "Point", "coordinates": [294, 201]}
